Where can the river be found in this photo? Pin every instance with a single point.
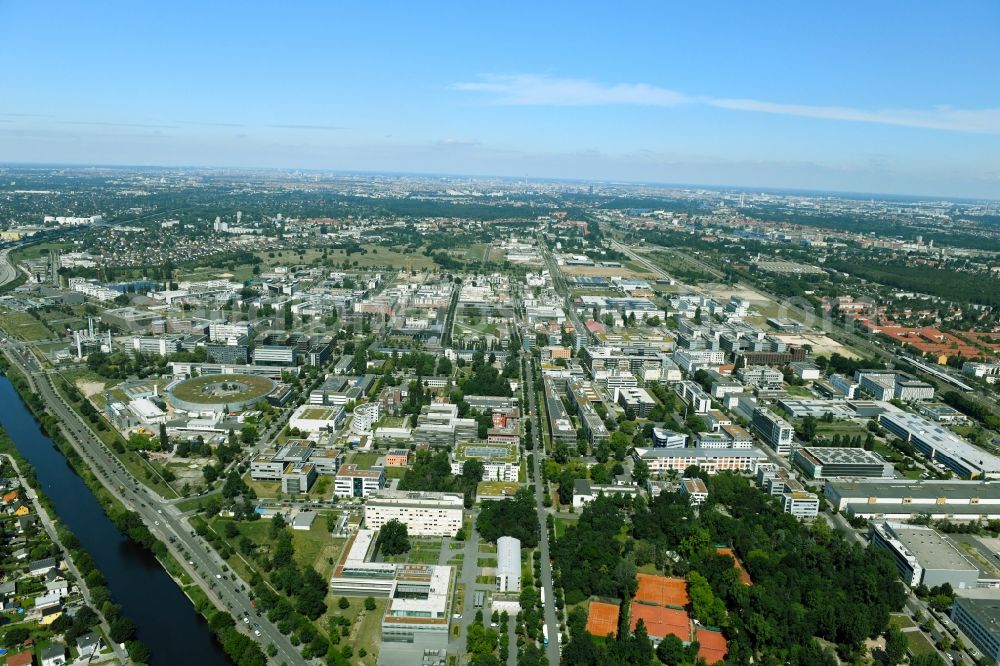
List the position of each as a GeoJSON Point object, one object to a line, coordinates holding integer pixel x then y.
{"type": "Point", "coordinates": [165, 619]}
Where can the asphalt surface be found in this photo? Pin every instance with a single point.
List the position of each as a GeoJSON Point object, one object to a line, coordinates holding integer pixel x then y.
{"type": "Point", "coordinates": [162, 518]}
{"type": "Point", "coordinates": [549, 615]}
{"type": "Point", "coordinates": [7, 270]}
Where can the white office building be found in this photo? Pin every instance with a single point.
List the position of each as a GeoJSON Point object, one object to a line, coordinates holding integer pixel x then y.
{"type": "Point", "coordinates": [423, 513]}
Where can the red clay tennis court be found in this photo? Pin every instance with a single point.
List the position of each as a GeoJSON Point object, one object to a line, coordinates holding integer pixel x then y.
{"type": "Point", "coordinates": [711, 646]}
{"type": "Point", "coordinates": [662, 591]}
{"type": "Point", "coordinates": [602, 619]}
{"type": "Point", "coordinates": [661, 621]}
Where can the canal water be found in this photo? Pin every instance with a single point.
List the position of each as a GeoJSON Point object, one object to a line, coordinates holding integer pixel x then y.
{"type": "Point", "coordinates": [165, 619]}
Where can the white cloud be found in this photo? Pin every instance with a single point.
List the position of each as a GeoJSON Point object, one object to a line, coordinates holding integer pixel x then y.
{"type": "Point", "coordinates": [532, 90]}
{"type": "Point", "coordinates": [536, 90]}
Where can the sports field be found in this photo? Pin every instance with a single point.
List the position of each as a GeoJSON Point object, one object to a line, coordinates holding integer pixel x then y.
{"type": "Point", "coordinates": [662, 591]}
{"type": "Point", "coordinates": [602, 618]}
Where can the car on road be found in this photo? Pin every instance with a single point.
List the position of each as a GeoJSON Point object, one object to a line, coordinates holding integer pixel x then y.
{"type": "Point", "coordinates": [219, 576]}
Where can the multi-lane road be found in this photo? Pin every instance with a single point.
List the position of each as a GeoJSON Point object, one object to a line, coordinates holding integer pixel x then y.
{"type": "Point", "coordinates": [7, 270]}
{"type": "Point", "coordinates": [163, 518]}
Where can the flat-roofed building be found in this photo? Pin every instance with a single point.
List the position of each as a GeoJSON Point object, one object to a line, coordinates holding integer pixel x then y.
{"type": "Point", "coordinates": [738, 435]}
{"type": "Point", "coordinates": [941, 445]}
{"type": "Point", "coordinates": [398, 457]}
{"type": "Point", "coordinates": [711, 460]}
{"type": "Point", "coordinates": [801, 504]}
{"type": "Point", "coordinates": [774, 430]}
{"type": "Point", "coordinates": [315, 419]}
{"type": "Point", "coordinates": [297, 478]}
{"type": "Point", "coordinates": [635, 401]}
{"type": "Point", "coordinates": [508, 564]}
{"type": "Point", "coordinates": [825, 462]}
{"type": "Point", "coordinates": [352, 481]}
{"type": "Point", "coordinates": [424, 513]}
{"type": "Point", "coordinates": [903, 499]}
{"type": "Point", "coordinates": [500, 461]}
{"type": "Point", "coordinates": [923, 556]}
{"type": "Point", "coordinates": [327, 461]}
{"type": "Point", "coordinates": [418, 612]}
{"type": "Point", "coordinates": [978, 619]}
{"type": "Point", "coordinates": [694, 396]}
{"type": "Point", "coordinates": [265, 468]}
{"type": "Point", "coordinates": [668, 439]}
{"type": "Point", "coordinates": [585, 492]}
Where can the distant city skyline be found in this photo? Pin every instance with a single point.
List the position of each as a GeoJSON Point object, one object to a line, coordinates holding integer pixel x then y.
{"type": "Point", "coordinates": [896, 98]}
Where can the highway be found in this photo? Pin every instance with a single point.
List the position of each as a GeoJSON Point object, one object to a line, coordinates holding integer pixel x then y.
{"type": "Point", "coordinates": [163, 519]}
{"type": "Point", "coordinates": [7, 270]}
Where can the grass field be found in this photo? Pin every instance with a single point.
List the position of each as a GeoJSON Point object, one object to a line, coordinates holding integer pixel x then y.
{"type": "Point", "coordinates": [918, 644]}
{"type": "Point", "coordinates": [422, 551]}
{"type": "Point", "coordinates": [364, 460]}
{"type": "Point", "coordinates": [23, 326]}
{"type": "Point", "coordinates": [901, 621]}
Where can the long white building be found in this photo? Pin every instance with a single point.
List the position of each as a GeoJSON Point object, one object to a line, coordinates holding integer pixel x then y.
{"type": "Point", "coordinates": [424, 513]}
{"type": "Point", "coordinates": [942, 445]}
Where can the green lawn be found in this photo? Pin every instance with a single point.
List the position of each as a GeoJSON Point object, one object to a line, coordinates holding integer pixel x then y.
{"type": "Point", "coordinates": [364, 460]}
{"type": "Point", "coordinates": [422, 551]}
{"type": "Point", "coordinates": [23, 326]}
{"type": "Point", "coordinates": [901, 621]}
{"type": "Point", "coordinates": [918, 644]}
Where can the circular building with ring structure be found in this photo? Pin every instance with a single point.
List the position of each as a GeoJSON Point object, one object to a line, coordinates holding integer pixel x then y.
{"type": "Point", "coordinates": [218, 393]}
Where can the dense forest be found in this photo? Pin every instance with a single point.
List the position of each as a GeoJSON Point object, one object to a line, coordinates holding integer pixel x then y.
{"type": "Point", "coordinates": [950, 285]}
{"type": "Point", "coordinates": [809, 584]}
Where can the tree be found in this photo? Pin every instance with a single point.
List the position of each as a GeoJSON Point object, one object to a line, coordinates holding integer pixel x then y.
{"type": "Point", "coordinates": [122, 630]}
{"type": "Point", "coordinates": [369, 604]}
{"type": "Point", "coordinates": [394, 538]}
{"type": "Point", "coordinates": [138, 651]}
{"type": "Point", "coordinates": [671, 650]}
{"type": "Point", "coordinates": [640, 473]}
{"type": "Point", "coordinates": [895, 646]}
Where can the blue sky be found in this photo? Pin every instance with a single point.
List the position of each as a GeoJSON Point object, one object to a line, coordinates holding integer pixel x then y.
{"type": "Point", "coordinates": [895, 97]}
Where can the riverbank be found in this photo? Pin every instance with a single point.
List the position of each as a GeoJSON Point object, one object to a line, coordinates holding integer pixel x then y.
{"type": "Point", "coordinates": [129, 524]}
{"type": "Point", "coordinates": [78, 561]}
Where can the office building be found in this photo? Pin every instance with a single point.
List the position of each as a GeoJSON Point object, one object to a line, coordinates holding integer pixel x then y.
{"type": "Point", "coordinates": [635, 401]}
{"type": "Point", "coordinates": [668, 439]}
{"type": "Point", "coordinates": [774, 430]}
{"type": "Point", "coordinates": [661, 461]}
{"type": "Point", "coordinates": [352, 481]}
{"type": "Point", "coordinates": [697, 400]}
{"type": "Point", "coordinates": [903, 499]}
{"type": "Point", "coordinates": [923, 556]}
{"type": "Point", "coordinates": [508, 564]}
{"type": "Point", "coordinates": [941, 445]}
{"type": "Point", "coordinates": [979, 619]}
{"type": "Point", "coordinates": [801, 504]}
{"type": "Point", "coordinates": [364, 417]}
{"type": "Point", "coordinates": [822, 462]}
{"type": "Point", "coordinates": [424, 513]}
{"type": "Point", "coordinates": [275, 355]}
{"type": "Point", "coordinates": [500, 462]}
{"type": "Point", "coordinates": [311, 419]}
{"type": "Point", "coordinates": [297, 478]}
{"type": "Point", "coordinates": [585, 492]}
